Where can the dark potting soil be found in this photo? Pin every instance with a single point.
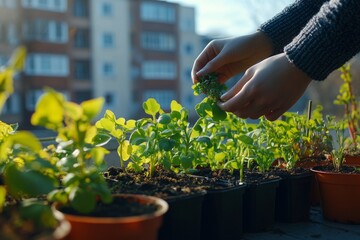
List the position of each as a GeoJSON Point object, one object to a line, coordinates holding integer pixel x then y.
{"type": "Point", "coordinates": [164, 184]}
{"type": "Point", "coordinates": [120, 207]}
{"type": "Point", "coordinates": [285, 173]}
{"type": "Point", "coordinates": [255, 177]}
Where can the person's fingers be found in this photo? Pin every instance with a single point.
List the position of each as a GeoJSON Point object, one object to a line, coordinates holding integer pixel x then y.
{"type": "Point", "coordinates": [236, 88]}
{"type": "Point", "coordinates": [275, 114]}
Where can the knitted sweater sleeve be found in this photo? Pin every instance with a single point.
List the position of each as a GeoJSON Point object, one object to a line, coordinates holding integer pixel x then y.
{"type": "Point", "coordinates": [328, 40]}
{"type": "Point", "coordinates": [282, 28]}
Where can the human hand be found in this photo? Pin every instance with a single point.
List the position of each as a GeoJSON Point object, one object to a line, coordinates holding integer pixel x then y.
{"type": "Point", "coordinates": [228, 57]}
{"type": "Point", "coordinates": [268, 88]}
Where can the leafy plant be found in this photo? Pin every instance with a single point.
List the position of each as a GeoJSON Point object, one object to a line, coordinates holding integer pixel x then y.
{"type": "Point", "coordinates": [347, 98]}
{"type": "Point", "coordinates": [119, 129]}
{"type": "Point", "coordinates": [79, 155]}
{"type": "Point", "coordinates": [209, 85]}
{"type": "Point", "coordinates": [337, 154]}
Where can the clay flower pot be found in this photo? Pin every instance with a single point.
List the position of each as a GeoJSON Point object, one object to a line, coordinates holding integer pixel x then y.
{"type": "Point", "coordinates": [129, 228]}
{"type": "Point", "coordinates": [340, 195]}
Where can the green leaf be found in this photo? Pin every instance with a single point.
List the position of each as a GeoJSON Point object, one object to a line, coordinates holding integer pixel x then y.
{"type": "Point", "coordinates": [175, 106]}
{"type": "Point", "coordinates": [246, 139]}
{"type": "Point", "coordinates": [73, 111]}
{"type": "Point", "coordinates": [101, 139]}
{"type": "Point", "coordinates": [206, 140]}
{"type": "Point", "coordinates": [98, 155]}
{"type": "Point", "coordinates": [92, 107]}
{"type": "Point", "coordinates": [2, 197]}
{"type": "Point", "coordinates": [30, 182]}
{"type": "Point", "coordinates": [125, 150]}
{"type": "Point", "coordinates": [151, 106]}
{"type": "Point", "coordinates": [82, 201]}
{"type": "Point", "coordinates": [164, 119]}
{"type": "Point", "coordinates": [49, 111]}
{"type": "Point", "coordinates": [218, 113]}
{"type": "Point", "coordinates": [186, 161]}
{"type": "Point", "coordinates": [26, 139]}
{"type": "Point", "coordinates": [166, 144]}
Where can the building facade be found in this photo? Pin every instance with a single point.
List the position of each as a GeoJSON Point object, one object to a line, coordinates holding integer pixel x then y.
{"type": "Point", "coordinates": [123, 50]}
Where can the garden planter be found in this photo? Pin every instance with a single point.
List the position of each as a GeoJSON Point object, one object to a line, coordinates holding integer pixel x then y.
{"type": "Point", "coordinates": [131, 228]}
{"type": "Point", "coordinates": [183, 220]}
{"type": "Point", "coordinates": [293, 197]}
{"type": "Point", "coordinates": [222, 215]}
{"type": "Point", "coordinates": [340, 195]}
{"type": "Point", "coordinates": [259, 205]}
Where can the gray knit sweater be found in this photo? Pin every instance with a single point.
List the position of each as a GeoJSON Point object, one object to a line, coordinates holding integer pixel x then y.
{"type": "Point", "coordinates": [317, 36]}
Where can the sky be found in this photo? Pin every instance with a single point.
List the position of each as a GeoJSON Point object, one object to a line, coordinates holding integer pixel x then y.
{"type": "Point", "coordinates": [232, 17]}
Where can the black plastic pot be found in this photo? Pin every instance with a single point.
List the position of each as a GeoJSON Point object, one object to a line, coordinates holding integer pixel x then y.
{"type": "Point", "coordinates": [259, 205]}
{"type": "Point", "coordinates": [293, 198]}
{"type": "Point", "coordinates": [183, 219]}
{"type": "Point", "coordinates": [222, 215]}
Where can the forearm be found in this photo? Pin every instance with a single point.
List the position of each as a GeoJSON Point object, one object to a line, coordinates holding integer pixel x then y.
{"type": "Point", "coordinates": [330, 39]}
{"type": "Point", "coordinates": [287, 24]}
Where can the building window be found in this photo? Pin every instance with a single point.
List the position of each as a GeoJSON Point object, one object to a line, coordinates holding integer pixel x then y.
{"type": "Point", "coordinates": [32, 98]}
{"type": "Point", "coordinates": [46, 30]}
{"type": "Point", "coordinates": [157, 12]}
{"type": "Point", "coordinates": [159, 70]}
{"type": "Point", "coordinates": [163, 97]}
{"type": "Point", "coordinates": [106, 9]}
{"type": "Point", "coordinates": [12, 104]}
{"type": "Point", "coordinates": [47, 65]}
{"type": "Point", "coordinates": [81, 96]}
{"type": "Point", "coordinates": [108, 69]}
{"type": "Point", "coordinates": [12, 37]}
{"type": "Point", "coordinates": [8, 3]}
{"type": "Point", "coordinates": [47, 5]}
{"type": "Point", "coordinates": [82, 69]}
{"type": "Point", "coordinates": [109, 99]}
{"type": "Point", "coordinates": [108, 40]}
{"type": "Point", "coordinates": [81, 38]}
{"type": "Point", "coordinates": [188, 49]}
{"type": "Point", "coordinates": [81, 8]}
{"type": "Point", "coordinates": [158, 41]}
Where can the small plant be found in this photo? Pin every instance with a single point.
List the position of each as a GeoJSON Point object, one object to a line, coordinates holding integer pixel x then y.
{"type": "Point", "coordinates": [78, 154]}
{"type": "Point", "coordinates": [120, 130]}
{"type": "Point", "coordinates": [337, 154]}
{"type": "Point", "coordinates": [347, 98]}
{"type": "Point", "coordinates": [209, 85]}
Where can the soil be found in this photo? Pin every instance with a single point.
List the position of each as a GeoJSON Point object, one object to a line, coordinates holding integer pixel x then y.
{"type": "Point", "coordinates": [284, 173]}
{"type": "Point", "coordinates": [120, 207]}
{"type": "Point", "coordinates": [164, 184]}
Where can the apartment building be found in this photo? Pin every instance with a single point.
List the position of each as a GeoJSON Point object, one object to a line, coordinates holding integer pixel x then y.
{"type": "Point", "coordinates": [123, 50]}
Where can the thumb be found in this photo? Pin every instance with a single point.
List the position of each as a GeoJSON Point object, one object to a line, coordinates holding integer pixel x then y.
{"type": "Point", "coordinates": [211, 66]}
{"type": "Point", "coordinates": [237, 87]}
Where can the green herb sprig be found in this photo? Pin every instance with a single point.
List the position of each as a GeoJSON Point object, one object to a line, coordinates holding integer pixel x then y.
{"type": "Point", "coordinates": [209, 85]}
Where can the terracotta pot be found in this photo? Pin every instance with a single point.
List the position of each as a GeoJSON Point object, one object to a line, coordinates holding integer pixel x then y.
{"type": "Point", "coordinates": [339, 195]}
{"type": "Point", "coordinates": [129, 228]}
{"type": "Point", "coordinates": [352, 160]}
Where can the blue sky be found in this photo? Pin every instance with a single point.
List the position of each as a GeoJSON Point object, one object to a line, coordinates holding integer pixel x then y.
{"type": "Point", "coordinates": [232, 17]}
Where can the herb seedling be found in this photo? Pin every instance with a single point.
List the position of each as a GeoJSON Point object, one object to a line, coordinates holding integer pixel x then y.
{"type": "Point", "coordinates": [209, 85]}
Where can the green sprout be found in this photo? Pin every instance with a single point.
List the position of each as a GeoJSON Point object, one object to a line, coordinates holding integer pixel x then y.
{"type": "Point", "coordinates": [209, 85]}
